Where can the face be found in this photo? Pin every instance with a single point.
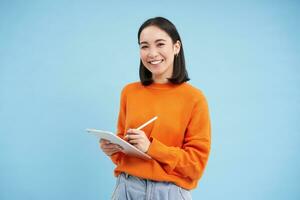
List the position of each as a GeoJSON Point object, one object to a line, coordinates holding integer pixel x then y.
{"type": "Point", "coordinates": [157, 52]}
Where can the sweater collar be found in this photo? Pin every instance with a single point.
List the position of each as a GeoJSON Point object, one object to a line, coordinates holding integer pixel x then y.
{"type": "Point", "coordinates": [162, 85]}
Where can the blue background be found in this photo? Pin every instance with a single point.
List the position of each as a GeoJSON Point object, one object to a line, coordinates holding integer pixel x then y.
{"type": "Point", "coordinates": [64, 63]}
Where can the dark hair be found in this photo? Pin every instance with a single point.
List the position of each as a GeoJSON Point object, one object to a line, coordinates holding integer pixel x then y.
{"type": "Point", "coordinates": [180, 74]}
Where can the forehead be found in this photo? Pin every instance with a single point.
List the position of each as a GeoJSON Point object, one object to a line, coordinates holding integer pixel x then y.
{"type": "Point", "coordinates": [153, 33]}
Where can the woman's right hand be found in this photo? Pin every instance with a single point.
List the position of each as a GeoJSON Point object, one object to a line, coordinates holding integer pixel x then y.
{"type": "Point", "coordinates": [109, 148]}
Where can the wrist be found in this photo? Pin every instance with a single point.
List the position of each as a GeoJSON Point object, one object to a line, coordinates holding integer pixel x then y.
{"type": "Point", "coordinates": [148, 145]}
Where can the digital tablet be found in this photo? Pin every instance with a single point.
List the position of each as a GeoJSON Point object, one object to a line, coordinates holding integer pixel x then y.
{"type": "Point", "coordinates": [113, 138]}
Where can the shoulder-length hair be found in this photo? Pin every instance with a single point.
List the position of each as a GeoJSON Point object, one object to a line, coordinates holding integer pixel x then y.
{"type": "Point", "coordinates": [180, 74]}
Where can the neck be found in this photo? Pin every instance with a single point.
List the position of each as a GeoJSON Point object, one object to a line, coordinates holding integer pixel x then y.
{"type": "Point", "coordinates": [163, 78]}
{"type": "Point", "coordinates": [160, 80]}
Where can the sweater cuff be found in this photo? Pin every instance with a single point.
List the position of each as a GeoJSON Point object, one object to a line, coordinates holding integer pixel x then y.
{"type": "Point", "coordinates": [161, 152]}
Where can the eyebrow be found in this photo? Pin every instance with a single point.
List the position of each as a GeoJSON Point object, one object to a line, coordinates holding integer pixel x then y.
{"type": "Point", "coordinates": [158, 40]}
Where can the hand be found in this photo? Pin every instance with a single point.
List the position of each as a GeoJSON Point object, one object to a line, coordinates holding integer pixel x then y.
{"type": "Point", "coordinates": [109, 148]}
{"type": "Point", "coordinates": [138, 139]}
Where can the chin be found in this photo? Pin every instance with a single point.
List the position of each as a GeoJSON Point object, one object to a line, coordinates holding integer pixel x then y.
{"type": "Point", "coordinates": [156, 71]}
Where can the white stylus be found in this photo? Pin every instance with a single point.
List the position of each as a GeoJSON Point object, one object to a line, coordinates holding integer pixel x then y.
{"type": "Point", "coordinates": [148, 122]}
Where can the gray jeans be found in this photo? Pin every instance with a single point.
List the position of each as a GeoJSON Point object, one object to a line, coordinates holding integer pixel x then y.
{"type": "Point", "coordinates": [133, 188]}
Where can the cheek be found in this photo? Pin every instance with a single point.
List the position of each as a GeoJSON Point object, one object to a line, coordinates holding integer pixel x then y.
{"type": "Point", "coordinates": [143, 55]}
{"type": "Point", "coordinates": [168, 53]}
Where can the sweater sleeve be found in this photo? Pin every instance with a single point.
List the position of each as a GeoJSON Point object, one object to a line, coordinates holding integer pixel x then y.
{"type": "Point", "coordinates": [120, 126]}
{"type": "Point", "coordinates": [190, 160]}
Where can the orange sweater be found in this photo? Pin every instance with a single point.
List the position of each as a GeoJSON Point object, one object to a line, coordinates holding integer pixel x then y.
{"type": "Point", "coordinates": [180, 137]}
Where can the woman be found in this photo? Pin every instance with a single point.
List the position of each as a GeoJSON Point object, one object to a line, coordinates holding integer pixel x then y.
{"type": "Point", "coordinates": [179, 140]}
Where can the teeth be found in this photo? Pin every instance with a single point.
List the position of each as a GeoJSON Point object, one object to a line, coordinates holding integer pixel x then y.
{"type": "Point", "coordinates": [155, 62]}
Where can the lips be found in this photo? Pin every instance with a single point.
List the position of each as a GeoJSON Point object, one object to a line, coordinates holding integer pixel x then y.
{"type": "Point", "coordinates": [155, 62]}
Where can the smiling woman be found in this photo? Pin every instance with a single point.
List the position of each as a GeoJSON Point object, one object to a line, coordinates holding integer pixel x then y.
{"type": "Point", "coordinates": [157, 52]}
{"type": "Point", "coordinates": [179, 140]}
{"type": "Point", "coordinates": [161, 51]}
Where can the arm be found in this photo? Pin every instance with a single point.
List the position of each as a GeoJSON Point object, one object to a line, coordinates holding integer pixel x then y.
{"type": "Point", "coordinates": [190, 160]}
{"type": "Point", "coordinates": [121, 126]}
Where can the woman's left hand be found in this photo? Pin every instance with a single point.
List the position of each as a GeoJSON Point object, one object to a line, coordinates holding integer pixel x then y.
{"type": "Point", "coordinates": [138, 139]}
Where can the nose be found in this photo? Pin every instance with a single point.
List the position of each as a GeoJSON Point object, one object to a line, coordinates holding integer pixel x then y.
{"type": "Point", "coordinates": [152, 53]}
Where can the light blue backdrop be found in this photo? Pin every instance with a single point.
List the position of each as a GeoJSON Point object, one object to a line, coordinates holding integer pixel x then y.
{"type": "Point", "coordinates": [63, 64]}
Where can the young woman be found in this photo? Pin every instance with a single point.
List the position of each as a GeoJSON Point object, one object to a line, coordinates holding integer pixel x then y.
{"type": "Point", "coordinates": [179, 140]}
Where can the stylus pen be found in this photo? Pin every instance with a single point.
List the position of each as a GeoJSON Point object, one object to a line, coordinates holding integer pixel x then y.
{"type": "Point", "coordinates": [145, 124]}
{"type": "Point", "coordinates": [148, 122]}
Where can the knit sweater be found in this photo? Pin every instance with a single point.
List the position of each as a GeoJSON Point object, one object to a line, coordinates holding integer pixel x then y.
{"type": "Point", "coordinates": [180, 137]}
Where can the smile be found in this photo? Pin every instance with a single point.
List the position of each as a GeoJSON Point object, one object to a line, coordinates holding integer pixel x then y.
{"type": "Point", "coordinates": [155, 62]}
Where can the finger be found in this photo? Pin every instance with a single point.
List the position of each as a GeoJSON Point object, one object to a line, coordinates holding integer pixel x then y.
{"type": "Point", "coordinates": [127, 136]}
{"type": "Point", "coordinates": [134, 131]}
{"type": "Point", "coordinates": [115, 150]}
{"type": "Point", "coordinates": [135, 141]}
{"type": "Point", "coordinates": [109, 153]}
{"type": "Point", "coordinates": [111, 147]}
{"type": "Point", "coordinates": [104, 145]}
{"type": "Point", "coordinates": [133, 137]}
{"type": "Point", "coordinates": [138, 146]}
{"type": "Point", "coordinates": [103, 141]}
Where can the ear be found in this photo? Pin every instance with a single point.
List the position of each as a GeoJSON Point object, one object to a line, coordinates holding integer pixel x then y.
{"type": "Point", "coordinates": [177, 47]}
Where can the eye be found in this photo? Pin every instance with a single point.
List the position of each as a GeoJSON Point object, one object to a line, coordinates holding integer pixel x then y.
{"type": "Point", "coordinates": [144, 47]}
{"type": "Point", "coordinates": [160, 44]}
